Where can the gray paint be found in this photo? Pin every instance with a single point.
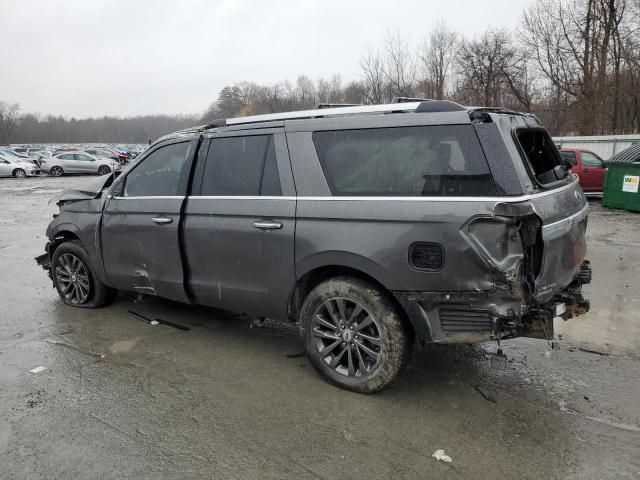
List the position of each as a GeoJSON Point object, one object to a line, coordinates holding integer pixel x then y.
{"type": "Point", "coordinates": [227, 262]}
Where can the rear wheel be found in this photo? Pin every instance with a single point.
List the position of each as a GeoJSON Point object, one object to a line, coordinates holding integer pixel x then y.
{"type": "Point", "coordinates": [75, 280]}
{"type": "Point", "coordinates": [57, 171]}
{"type": "Point", "coordinates": [103, 170]}
{"type": "Point", "coordinates": [353, 335]}
{"type": "Point", "coordinates": [19, 173]}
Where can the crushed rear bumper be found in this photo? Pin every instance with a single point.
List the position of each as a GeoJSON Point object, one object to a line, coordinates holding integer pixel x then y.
{"type": "Point", "coordinates": [472, 317]}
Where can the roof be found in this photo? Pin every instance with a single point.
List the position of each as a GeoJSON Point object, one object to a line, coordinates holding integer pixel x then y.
{"type": "Point", "coordinates": [400, 105]}
{"type": "Point", "coordinates": [629, 155]}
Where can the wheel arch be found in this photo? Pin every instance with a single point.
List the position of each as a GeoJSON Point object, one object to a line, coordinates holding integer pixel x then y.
{"type": "Point", "coordinates": [314, 276]}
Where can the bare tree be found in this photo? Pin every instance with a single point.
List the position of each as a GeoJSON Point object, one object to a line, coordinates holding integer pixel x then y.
{"type": "Point", "coordinates": [8, 120]}
{"type": "Point", "coordinates": [374, 80]}
{"type": "Point", "coordinates": [399, 66]}
{"type": "Point", "coordinates": [437, 54]}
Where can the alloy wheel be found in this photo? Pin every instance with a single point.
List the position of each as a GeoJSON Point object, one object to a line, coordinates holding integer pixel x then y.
{"type": "Point", "coordinates": [72, 278]}
{"type": "Point", "coordinates": [20, 173]}
{"type": "Point", "coordinates": [347, 337]}
{"type": "Point", "coordinates": [56, 172]}
{"type": "Point", "coordinates": [103, 170]}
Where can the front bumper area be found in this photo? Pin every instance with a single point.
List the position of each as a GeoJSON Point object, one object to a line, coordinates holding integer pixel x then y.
{"type": "Point", "coordinates": [473, 317]}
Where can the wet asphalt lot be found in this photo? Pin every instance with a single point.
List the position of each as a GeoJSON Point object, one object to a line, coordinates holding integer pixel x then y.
{"type": "Point", "coordinates": [123, 399]}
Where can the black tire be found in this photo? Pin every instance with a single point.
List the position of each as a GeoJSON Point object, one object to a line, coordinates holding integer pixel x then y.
{"type": "Point", "coordinates": [56, 171]}
{"type": "Point", "coordinates": [19, 173]}
{"type": "Point", "coordinates": [99, 295]}
{"type": "Point", "coordinates": [393, 345]}
{"type": "Point", "coordinates": [103, 170]}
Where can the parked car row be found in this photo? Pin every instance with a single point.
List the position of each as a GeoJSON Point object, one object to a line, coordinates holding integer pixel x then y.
{"type": "Point", "coordinates": [29, 160]}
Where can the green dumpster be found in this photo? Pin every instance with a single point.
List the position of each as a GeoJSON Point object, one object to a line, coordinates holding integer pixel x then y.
{"type": "Point", "coordinates": [621, 186]}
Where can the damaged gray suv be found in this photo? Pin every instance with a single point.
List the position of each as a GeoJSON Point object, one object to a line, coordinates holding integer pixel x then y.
{"type": "Point", "coordinates": [373, 227]}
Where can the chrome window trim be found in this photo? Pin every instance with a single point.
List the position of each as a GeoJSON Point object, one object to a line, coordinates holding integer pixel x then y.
{"type": "Point", "coordinates": [159, 197]}
{"type": "Point", "coordinates": [506, 199]}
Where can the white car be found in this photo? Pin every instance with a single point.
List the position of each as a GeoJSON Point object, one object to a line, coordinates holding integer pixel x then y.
{"type": "Point", "coordinates": [11, 166]}
{"type": "Point", "coordinates": [78, 162]}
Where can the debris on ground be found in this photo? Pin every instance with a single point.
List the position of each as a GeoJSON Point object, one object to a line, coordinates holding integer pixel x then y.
{"type": "Point", "coordinates": [38, 369]}
{"type": "Point", "coordinates": [156, 321]}
{"type": "Point", "coordinates": [441, 456]}
{"type": "Point", "coordinates": [296, 355]}
{"type": "Point", "coordinates": [591, 350]}
{"type": "Point", "coordinates": [484, 392]}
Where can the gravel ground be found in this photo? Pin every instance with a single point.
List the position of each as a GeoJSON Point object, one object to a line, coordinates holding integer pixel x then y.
{"type": "Point", "coordinates": [123, 399]}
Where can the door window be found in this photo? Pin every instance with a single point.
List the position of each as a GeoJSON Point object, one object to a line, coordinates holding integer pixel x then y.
{"type": "Point", "coordinates": [159, 173]}
{"type": "Point", "coordinates": [83, 158]}
{"type": "Point", "coordinates": [241, 166]}
{"type": "Point", "coordinates": [68, 156]}
{"type": "Point", "coordinates": [591, 160]}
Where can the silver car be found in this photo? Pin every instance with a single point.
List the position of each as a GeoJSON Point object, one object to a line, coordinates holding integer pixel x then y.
{"type": "Point", "coordinates": [12, 167]}
{"type": "Point", "coordinates": [78, 162]}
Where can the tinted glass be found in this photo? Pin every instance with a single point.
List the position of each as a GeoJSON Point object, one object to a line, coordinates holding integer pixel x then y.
{"type": "Point", "coordinates": [235, 166]}
{"type": "Point", "coordinates": [590, 160]}
{"type": "Point", "coordinates": [68, 156]}
{"type": "Point", "coordinates": [404, 161]}
{"type": "Point", "coordinates": [83, 158]}
{"type": "Point", "coordinates": [159, 173]}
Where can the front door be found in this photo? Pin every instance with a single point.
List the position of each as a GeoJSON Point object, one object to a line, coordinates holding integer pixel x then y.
{"type": "Point", "coordinates": [140, 223]}
{"type": "Point", "coordinates": [85, 163]}
{"type": "Point", "coordinates": [240, 224]}
{"type": "Point", "coordinates": [593, 171]}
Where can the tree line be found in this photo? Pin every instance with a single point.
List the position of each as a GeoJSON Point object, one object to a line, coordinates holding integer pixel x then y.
{"type": "Point", "coordinates": [574, 63]}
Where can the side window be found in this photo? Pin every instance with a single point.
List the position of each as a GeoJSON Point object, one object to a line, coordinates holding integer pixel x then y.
{"type": "Point", "coordinates": [590, 160]}
{"type": "Point", "coordinates": [241, 166]}
{"type": "Point", "coordinates": [158, 174]}
{"type": "Point", "coordinates": [404, 161]}
{"type": "Point", "coordinates": [83, 158]}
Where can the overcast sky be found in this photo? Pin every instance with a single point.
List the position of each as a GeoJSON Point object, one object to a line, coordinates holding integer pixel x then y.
{"type": "Point", "coordinates": [128, 57]}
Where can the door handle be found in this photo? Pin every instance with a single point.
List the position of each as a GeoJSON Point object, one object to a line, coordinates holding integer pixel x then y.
{"type": "Point", "coordinates": [162, 220]}
{"type": "Point", "coordinates": [267, 225]}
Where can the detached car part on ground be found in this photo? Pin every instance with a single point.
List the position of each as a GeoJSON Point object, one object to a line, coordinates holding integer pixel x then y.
{"type": "Point", "coordinates": [374, 227]}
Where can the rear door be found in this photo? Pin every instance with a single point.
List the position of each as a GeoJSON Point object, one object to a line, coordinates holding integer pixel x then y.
{"type": "Point", "coordinates": [69, 163]}
{"type": "Point", "coordinates": [140, 223]}
{"type": "Point", "coordinates": [592, 171]}
{"type": "Point", "coordinates": [240, 222]}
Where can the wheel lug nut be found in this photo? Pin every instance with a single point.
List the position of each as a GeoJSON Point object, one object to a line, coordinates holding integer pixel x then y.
{"type": "Point", "coordinates": [357, 337]}
{"type": "Point", "coordinates": [350, 327]}
{"type": "Point", "coordinates": [344, 343]}
{"type": "Point", "coordinates": [342, 326]}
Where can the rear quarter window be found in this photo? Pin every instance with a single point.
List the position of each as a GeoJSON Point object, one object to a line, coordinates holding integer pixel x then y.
{"type": "Point", "coordinates": [404, 161]}
{"type": "Point", "coordinates": [541, 155]}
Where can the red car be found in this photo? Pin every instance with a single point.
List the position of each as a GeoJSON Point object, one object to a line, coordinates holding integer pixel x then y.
{"type": "Point", "coordinates": [588, 166]}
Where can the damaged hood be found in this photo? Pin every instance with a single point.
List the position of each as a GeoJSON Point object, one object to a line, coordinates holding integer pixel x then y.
{"type": "Point", "coordinates": [86, 191]}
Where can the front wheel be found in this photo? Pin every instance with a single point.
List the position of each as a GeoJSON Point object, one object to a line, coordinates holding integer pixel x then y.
{"type": "Point", "coordinates": [103, 170]}
{"type": "Point", "coordinates": [57, 171]}
{"type": "Point", "coordinates": [353, 335]}
{"type": "Point", "coordinates": [74, 279]}
{"type": "Point", "coordinates": [19, 173]}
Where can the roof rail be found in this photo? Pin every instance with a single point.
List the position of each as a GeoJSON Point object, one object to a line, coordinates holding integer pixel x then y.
{"type": "Point", "coordinates": [320, 106]}
{"type": "Point", "coordinates": [326, 112]}
{"type": "Point", "coordinates": [409, 99]}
